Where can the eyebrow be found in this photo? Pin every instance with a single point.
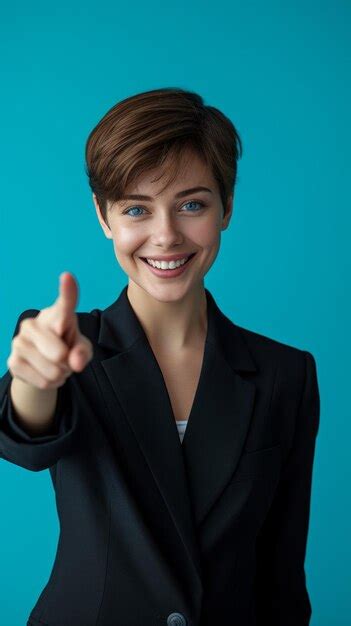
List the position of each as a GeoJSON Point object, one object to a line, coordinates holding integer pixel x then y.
{"type": "Point", "coordinates": [180, 194]}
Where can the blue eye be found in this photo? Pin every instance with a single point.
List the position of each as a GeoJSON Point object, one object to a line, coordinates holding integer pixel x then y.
{"type": "Point", "coordinates": [195, 202]}
{"type": "Point", "coordinates": [133, 208]}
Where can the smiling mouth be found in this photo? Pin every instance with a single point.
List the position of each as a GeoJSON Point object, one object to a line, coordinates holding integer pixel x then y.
{"type": "Point", "coordinates": [188, 259]}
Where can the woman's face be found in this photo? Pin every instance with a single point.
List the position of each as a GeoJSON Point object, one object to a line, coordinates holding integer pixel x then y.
{"type": "Point", "coordinates": [164, 225]}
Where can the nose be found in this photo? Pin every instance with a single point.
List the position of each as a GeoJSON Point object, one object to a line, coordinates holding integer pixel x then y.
{"type": "Point", "coordinates": [166, 232]}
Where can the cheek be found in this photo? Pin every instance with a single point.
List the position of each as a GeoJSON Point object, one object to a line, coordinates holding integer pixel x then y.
{"type": "Point", "coordinates": [126, 241]}
{"type": "Point", "coordinates": [206, 234]}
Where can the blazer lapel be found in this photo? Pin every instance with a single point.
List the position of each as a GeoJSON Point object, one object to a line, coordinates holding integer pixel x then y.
{"type": "Point", "coordinates": [192, 475]}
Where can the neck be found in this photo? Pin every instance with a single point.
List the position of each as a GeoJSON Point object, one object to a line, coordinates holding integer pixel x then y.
{"type": "Point", "coordinates": [171, 325]}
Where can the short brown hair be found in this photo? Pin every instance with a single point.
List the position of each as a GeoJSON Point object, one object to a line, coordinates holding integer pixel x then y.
{"type": "Point", "coordinates": [140, 132]}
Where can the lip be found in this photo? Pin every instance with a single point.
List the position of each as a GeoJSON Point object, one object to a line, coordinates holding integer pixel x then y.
{"type": "Point", "coordinates": [169, 273]}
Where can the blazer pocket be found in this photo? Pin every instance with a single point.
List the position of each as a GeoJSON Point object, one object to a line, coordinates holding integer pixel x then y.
{"type": "Point", "coordinates": [258, 464]}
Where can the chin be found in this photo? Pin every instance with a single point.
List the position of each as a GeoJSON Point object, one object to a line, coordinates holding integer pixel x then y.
{"type": "Point", "coordinates": [170, 293]}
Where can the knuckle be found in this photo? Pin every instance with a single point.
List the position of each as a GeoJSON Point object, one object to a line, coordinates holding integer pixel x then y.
{"type": "Point", "coordinates": [12, 369]}
{"type": "Point", "coordinates": [58, 357]}
{"type": "Point", "coordinates": [59, 327]}
{"type": "Point", "coordinates": [54, 375]}
{"type": "Point", "coordinates": [44, 384]}
{"type": "Point", "coordinates": [50, 374]}
{"type": "Point", "coordinates": [55, 358]}
{"type": "Point", "coordinates": [13, 361]}
{"type": "Point", "coordinates": [19, 344]}
{"type": "Point", "coordinates": [50, 378]}
{"type": "Point", "coordinates": [26, 323]}
{"type": "Point", "coordinates": [16, 341]}
{"type": "Point", "coordinates": [23, 323]}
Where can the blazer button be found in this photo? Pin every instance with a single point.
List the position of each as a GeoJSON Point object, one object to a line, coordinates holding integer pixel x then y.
{"type": "Point", "coordinates": [176, 619]}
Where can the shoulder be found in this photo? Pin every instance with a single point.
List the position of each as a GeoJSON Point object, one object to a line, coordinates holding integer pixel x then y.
{"type": "Point", "coordinates": [268, 346]}
{"type": "Point", "coordinates": [288, 362]}
{"type": "Point", "coordinates": [293, 374]}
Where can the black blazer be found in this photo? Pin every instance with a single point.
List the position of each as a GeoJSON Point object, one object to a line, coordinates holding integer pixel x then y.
{"type": "Point", "coordinates": [211, 532]}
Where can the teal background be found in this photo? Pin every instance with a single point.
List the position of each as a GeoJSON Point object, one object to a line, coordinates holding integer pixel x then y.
{"type": "Point", "coordinates": [281, 73]}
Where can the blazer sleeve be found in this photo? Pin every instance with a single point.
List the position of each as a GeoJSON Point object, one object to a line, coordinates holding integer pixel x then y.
{"type": "Point", "coordinates": [281, 594]}
{"type": "Point", "coordinates": [36, 452]}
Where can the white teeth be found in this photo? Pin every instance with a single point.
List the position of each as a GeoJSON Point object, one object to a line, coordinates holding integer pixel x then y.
{"type": "Point", "coordinates": [163, 265]}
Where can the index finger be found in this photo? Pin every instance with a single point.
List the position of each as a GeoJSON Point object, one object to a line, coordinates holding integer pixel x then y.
{"type": "Point", "coordinates": [68, 292]}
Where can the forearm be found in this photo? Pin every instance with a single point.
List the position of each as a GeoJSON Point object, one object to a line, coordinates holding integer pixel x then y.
{"type": "Point", "coordinates": [34, 408]}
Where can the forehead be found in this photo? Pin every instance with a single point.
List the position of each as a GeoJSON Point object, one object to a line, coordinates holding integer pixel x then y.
{"type": "Point", "coordinates": [192, 171]}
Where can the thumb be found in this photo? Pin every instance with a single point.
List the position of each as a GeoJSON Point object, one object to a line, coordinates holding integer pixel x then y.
{"type": "Point", "coordinates": [80, 353]}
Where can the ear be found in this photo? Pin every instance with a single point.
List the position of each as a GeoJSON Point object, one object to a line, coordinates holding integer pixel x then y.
{"type": "Point", "coordinates": [103, 224]}
{"type": "Point", "coordinates": [228, 213]}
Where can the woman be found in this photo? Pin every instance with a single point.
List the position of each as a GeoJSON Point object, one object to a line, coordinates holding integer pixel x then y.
{"type": "Point", "coordinates": [198, 526]}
